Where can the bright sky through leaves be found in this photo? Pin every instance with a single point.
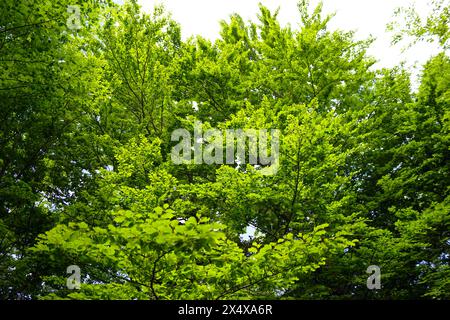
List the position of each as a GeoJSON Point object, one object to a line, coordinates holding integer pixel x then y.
{"type": "Point", "coordinates": [366, 17]}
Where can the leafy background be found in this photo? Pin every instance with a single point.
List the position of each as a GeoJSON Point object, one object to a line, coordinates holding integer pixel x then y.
{"type": "Point", "coordinates": [86, 176]}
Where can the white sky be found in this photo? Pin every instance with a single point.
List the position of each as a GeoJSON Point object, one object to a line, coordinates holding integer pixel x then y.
{"type": "Point", "coordinates": [366, 17]}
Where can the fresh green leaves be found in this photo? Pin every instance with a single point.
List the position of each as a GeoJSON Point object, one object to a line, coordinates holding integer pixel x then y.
{"type": "Point", "coordinates": [86, 176]}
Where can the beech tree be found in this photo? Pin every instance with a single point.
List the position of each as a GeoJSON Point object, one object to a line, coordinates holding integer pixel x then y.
{"type": "Point", "coordinates": [91, 92]}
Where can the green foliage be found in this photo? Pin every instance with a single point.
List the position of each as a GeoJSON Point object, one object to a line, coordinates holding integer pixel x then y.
{"type": "Point", "coordinates": [86, 176]}
{"type": "Point", "coordinates": [431, 28]}
{"type": "Point", "coordinates": [143, 250]}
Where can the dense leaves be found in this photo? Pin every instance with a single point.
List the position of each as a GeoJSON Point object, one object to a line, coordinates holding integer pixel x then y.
{"type": "Point", "coordinates": [86, 176]}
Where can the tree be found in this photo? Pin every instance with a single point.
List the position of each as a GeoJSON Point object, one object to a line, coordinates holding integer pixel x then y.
{"type": "Point", "coordinates": [45, 90]}
{"type": "Point", "coordinates": [430, 28]}
{"type": "Point", "coordinates": [87, 179]}
{"type": "Point", "coordinates": [140, 249]}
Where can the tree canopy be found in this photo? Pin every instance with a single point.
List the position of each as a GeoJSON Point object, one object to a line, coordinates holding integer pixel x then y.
{"type": "Point", "coordinates": [90, 92]}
